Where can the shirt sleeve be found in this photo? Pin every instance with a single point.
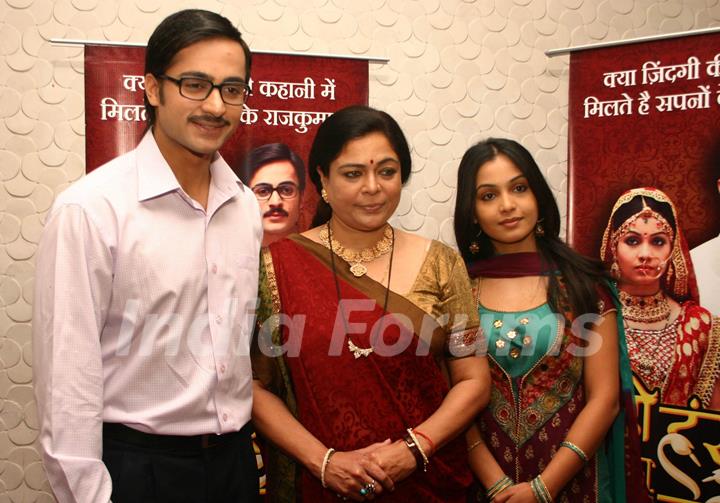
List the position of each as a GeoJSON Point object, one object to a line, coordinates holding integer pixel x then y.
{"type": "Point", "coordinates": [73, 284]}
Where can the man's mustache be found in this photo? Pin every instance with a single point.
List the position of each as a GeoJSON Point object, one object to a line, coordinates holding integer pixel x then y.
{"type": "Point", "coordinates": [276, 211]}
{"type": "Point", "coordinates": [210, 119]}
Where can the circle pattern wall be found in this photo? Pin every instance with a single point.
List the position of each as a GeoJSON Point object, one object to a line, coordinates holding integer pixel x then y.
{"type": "Point", "coordinates": [459, 71]}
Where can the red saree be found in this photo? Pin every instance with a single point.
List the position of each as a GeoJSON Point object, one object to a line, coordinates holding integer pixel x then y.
{"type": "Point", "coordinates": [350, 403]}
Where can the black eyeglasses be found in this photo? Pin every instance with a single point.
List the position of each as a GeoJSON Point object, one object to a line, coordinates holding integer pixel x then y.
{"type": "Point", "coordinates": [264, 191]}
{"type": "Point", "coordinates": [197, 89]}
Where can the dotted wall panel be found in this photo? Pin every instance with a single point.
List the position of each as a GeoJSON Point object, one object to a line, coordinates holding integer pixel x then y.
{"type": "Point", "coordinates": [459, 71]}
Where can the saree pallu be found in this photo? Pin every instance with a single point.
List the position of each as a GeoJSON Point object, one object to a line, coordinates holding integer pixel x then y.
{"type": "Point", "coordinates": [694, 339]}
{"type": "Point", "coordinates": [349, 403]}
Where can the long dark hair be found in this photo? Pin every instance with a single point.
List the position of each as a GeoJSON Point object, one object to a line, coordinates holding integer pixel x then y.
{"type": "Point", "coordinates": [343, 126]}
{"type": "Point", "coordinates": [265, 154]}
{"type": "Point", "coordinates": [180, 30]}
{"type": "Point", "coordinates": [580, 274]}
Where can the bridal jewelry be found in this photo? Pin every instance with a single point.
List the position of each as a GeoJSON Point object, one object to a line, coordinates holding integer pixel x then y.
{"type": "Point", "coordinates": [652, 352]}
{"type": "Point", "coordinates": [645, 309]}
{"type": "Point", "coordinates": [356, 259]}
{"type": "Point", "coordinates": [357, 351]}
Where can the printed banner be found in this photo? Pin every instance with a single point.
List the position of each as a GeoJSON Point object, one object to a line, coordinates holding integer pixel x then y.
{"type": "Point", "coordinates": [291, 96]}
{"type": "Point", "coordinates": [680, 449]}
{"type": "Point", "coordinates": [648, 114]}
{"type": "Point", "coordinates": [645, 114]}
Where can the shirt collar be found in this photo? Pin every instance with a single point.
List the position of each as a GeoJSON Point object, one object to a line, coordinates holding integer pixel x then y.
{"type": "Point", "coordinates": [155, 177]}
{"type": "Point", "coordinates": [223, 178]}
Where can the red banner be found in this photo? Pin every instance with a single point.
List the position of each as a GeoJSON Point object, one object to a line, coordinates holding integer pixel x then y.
{"type": "Point", "coordinates": [648, 114]}
{"type": "Point", "coordinates": [645, 114]}
{"type": "Point", "coordinates": [292, 95]}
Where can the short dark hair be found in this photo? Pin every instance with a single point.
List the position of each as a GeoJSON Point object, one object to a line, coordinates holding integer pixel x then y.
{"type": "Point", "coordinates": [580, 274]}
{"type": "Point", "coordinates": [343, 126]}
{"type": "Point", "coordinates": [180, 30]}
{"type": "Point", "coordinates": [265, 154]}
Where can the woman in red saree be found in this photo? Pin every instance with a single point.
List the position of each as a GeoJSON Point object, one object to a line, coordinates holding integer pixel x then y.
{"type": "Point", "coordinates": [361, 390]}
{"type": "Point", "coordinates": [673, 342]}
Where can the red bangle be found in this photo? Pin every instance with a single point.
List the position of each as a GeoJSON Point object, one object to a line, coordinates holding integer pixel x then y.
{"type": "Point", "coordinates": [432, 444]}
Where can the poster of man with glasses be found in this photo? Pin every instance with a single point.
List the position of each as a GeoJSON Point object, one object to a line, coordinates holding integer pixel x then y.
{"type": "Point", "coordinates": [276, 175]}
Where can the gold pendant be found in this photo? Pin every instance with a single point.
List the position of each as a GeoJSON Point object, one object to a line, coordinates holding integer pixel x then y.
{"type": "Point", "coordinates": [358, 269]}
{"type": "Point", "coordinates": [357, 351]}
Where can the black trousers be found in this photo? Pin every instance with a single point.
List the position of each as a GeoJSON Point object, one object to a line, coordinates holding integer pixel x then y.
{"type": "Point", "coordinates": [147, 468]}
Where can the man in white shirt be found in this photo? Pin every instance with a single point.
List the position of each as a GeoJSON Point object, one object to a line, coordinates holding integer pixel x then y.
{"type": "Point", "coordinates": [706, 261]}
{"type": "Point", "coordinates": [145, 289]}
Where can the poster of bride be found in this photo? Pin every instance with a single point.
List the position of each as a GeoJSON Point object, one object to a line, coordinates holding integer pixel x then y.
{"type": "Point", "coordinates": [644, 176]}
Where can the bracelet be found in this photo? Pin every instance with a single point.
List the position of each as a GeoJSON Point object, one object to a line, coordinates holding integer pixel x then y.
{"type": "Point", "coordinates": [498, 487]}
{"type": "Point", "coordinates": [577, 450]}
{"type": "Point", "coordinates": [432, 444]}
{"type": "Point", "coordinates": [474, 444]}
{"type": "Point", "coordinates": [426, 461]}
{"type": "Point", "coordinates": [416, 452]}
{"type": "Point", "coordinates": [326, 461]}
{"type": "Point", "coordinates": [540, 490]}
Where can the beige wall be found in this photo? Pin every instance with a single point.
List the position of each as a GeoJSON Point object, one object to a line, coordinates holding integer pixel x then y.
{"type": "Point", "coordinates": [459, 71]}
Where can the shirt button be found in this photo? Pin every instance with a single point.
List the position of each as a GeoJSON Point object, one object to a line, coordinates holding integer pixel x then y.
{"type": "Point", "coordinates": [218, 319]}
{"type": "Point", "coordinates": [222, 368]}
{"type": "Point", "coordinates": [224, 417]}
{"type": "Point", "coordinates": [214, 268]}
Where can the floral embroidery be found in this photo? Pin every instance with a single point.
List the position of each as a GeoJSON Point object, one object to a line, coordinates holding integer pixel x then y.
{"type": "Point", "coordinates": [529, 453]}
{"type": "Point", "coordinates": [543, 391]}
{"type": "Point", "coordinates": [508, 455]}
{"type": "Point", "coordinates": [575, 487]}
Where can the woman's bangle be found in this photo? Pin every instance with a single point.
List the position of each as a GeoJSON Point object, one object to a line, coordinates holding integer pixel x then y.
{"type": "Point", "coordinates": [326, 461]}
{"type": "Point", "coordinates": [498, 487]}
{"type": "Point", "coordinates": [432, 444]}
{"type": "Point", "coordinates": [412, 444]}
{"type": "Point", "coordinates": [474, 444]}
{"type": "Point", "coordinates": [577, 450]}
{"type": "Point", "coordinates": [540, 490]}
{"type": "Point", "coordinates": [426, 461]}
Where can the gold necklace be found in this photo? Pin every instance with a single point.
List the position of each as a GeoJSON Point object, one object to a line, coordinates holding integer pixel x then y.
{"type": "Point", "coordinates": [356, 258]}
{"type": "Point", "coordinates": [645, 309]}
{"type": "Point", "coordinates": [357, 351]}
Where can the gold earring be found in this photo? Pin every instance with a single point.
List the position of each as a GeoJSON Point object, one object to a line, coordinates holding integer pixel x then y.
{"type": "Point", "coordinates": [474, 246]}
{"type": "Point", "coordinates": [539, 229]}
{"type": "Point", "coordinates": [615, 270]}
{"type": "Point", "coordinates": [324, 195]}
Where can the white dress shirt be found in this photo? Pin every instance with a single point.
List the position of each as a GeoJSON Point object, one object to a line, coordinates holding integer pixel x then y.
{"type": "Point", "coordinates": [143, 312]}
